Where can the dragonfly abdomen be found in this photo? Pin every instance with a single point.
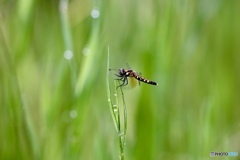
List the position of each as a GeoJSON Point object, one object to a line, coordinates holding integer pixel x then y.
{"type": "Point", "coordinates": [142, 79]}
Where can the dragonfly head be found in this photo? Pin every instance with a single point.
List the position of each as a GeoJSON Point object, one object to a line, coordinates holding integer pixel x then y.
{"type": "Point", "coordinates": [121, 72]}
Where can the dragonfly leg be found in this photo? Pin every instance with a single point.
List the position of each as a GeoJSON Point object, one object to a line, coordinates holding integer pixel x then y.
{"type": "Point", "coordinates": [118, 75]}
{"type": "Point", "coordinates": [125, 82]}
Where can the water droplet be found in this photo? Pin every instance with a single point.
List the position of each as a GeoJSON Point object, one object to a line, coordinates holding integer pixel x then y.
{"type": "Point", "coordinates": [73, 113]}
{"type": "Point", "coordinates": [68, 54]}
{"type": "Point", "coordinates": [120, 134]}
{"type": "Point", "coordinates": [95, 13]}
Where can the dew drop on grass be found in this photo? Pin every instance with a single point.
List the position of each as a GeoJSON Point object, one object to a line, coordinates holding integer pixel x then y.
{"type": "Point", "coordinates": [121, 134]}
{"type": "Point", "coordinates": [73, 114]}
{"type": "Point", "coordinates": [95, 13]}
{"type": "Point", "coordinates": [68, 54]}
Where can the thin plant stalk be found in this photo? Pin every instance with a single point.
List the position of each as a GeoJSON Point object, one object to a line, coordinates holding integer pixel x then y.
{"type": "Point", "coordinates": [116, 112]}
{"type": "Point", "coordinates": [63, 8]}
{"type": "Point", "coordinates": [110, 103]}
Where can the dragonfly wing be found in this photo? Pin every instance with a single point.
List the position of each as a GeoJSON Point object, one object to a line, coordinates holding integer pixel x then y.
{"type": "Point", "coordinates": [131, 83]}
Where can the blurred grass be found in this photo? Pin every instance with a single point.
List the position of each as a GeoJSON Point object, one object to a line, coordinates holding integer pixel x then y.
{"type": "Point", "coordinates": [54, 108]}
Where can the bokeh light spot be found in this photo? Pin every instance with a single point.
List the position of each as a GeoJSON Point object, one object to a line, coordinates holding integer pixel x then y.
{"type": "Point", "coordinates": [68, 54]}
{"type": "Point", "coordinates": [95, 13]}
{"type": "Point", "coordinates": [73, 113]}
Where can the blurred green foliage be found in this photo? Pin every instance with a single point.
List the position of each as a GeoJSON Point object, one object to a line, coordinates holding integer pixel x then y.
{"type": "Point", "coordinates": [56, 108]}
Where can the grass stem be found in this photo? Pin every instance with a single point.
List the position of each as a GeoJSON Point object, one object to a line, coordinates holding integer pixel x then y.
{"type": "Point", "coordinates": [116, 113]}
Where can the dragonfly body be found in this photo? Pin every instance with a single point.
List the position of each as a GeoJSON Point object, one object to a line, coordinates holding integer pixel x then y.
{"type": "Point", "coordinates": [124, 74]}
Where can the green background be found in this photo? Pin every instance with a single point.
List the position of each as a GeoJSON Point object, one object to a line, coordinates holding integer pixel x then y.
{"type": "Point", "coordinates": [55, 108]}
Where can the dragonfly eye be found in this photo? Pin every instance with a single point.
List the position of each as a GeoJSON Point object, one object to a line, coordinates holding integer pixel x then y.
{"type": "Point", "coordinates": [121, 71]}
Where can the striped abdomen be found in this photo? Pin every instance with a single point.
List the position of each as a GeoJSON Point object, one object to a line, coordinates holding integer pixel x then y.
{"type": "Point", "coordinates": [142, 79]}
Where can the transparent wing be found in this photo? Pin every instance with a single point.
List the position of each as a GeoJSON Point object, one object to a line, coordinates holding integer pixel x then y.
{"type": "Point", "coordinates": [132, 83]}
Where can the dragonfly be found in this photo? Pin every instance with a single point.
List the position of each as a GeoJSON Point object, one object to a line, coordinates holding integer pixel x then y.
{"type": "Point", "coordinates": [130, 77]}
